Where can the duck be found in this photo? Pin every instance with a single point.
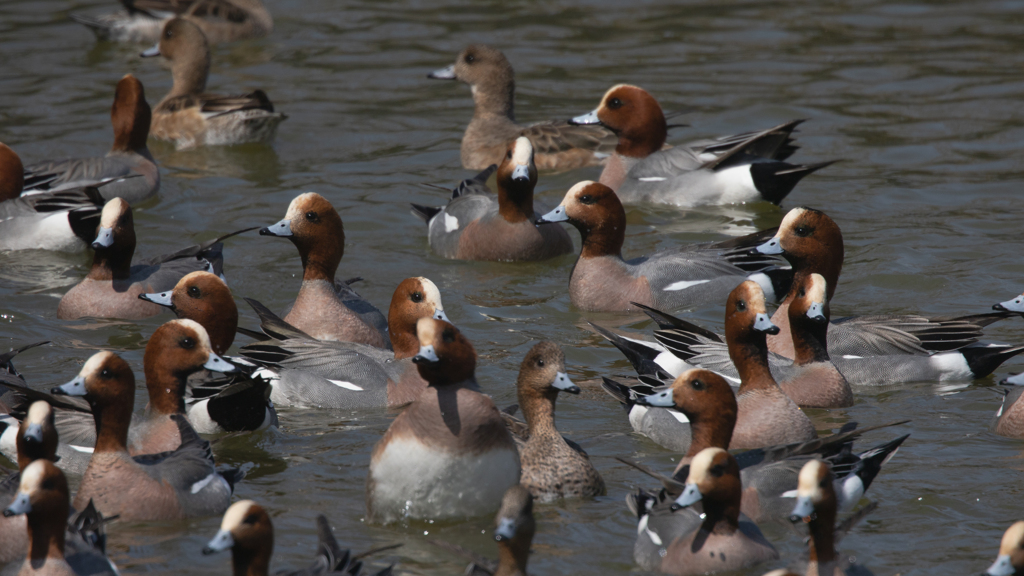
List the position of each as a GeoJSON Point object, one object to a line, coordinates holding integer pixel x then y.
{"type": "Point", "coordinates": [220, 20]}
{"type": "Point", "coordinates": [217, 402]}
{"type": "Point", "coordinates": [113, 284]}
{"type": "Point", "coordinates": [816, 507]}
{"type": "Point", "coordinates": [357, 376]}
{"type": "Point", "coordinates": [514, 531]}
{"type": "Point", "coordinates": [448, 454]}
{"type": "Point", "coordinates": [734, 169]}
{"type": "Point", "coordinates": [188, 116]}
{"type": "Point", "coordinates": [55, 546]}
{"type": "Point", "coordinates": [720, 538]}
{"type": "Point", "coordinates": [181, 483]}
{"type": "Point", "coordinates": [248, 532]}
{"type": "Point", "coordinates": [551, 468]}
{"type": "Point", "coordinates": [1010, 560]}
{"type": "Point", "coordinates": [813, 243]}
{"type": "Point", "coordinates": [315, 228]}
{"type": "Point", "coordinates": [559, 146]}
{"type": "Point", "coordinates": [128, 171]}
{"type": "Point", "coordinates": [690, 276]}
{"type": "Point", "coordinates": [473, 226]}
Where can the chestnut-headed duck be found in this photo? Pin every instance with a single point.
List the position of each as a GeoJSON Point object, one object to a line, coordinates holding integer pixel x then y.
{"type": "Point", "coordinates": [514, 530]}
{"type": "Point", "coordinates": [1009, 418]}
{"type": "Point", "coordinates": [217, 402]}
{"type": "Point", "coordinates": [307, 372]}
{"type": "Point", "coordinates": [473, 226]}
{"type": "Point", "coordinates": [188, 115]}
{"type": "Point", "coordinates": [816, 507]}
{"type": "Point", "coordinates": [448, 454]}
{"type": "Point", "coordinates": [1010, 560]}
{"type": "Point", "coordinates": [55, 545]}
{"type": "Point", "coordinates": [558, 145]}
{"type": "Point", "coordinates": [721, 538]}
{"type": "Point", "coordinates": [813, 243]}
{"type": "Point", "coordinates": [113, 284]}
{"type": "Point", "coordinates": [128, 170]}
{"type": "Point", "coordinates": [727, 170]}
{"type": "Point", "coordinates": [248, 532]}
{"type": "Point", "coordinates": [220, 20]}
{"type": "Point", "coordinates": [181, 483]}
{"type": "Point", "coordinates": [689, 276]}
{"type": "Point", "coordinates": [551, 468]}
{"type": "Point", "coordinates": [315, 228]}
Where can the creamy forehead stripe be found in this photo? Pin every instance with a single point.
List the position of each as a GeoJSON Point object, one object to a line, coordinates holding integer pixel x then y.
{"type": "Point", "coordinates": [817, 291]}
{"type": "Point", "coordinates": [522, 152]}
{"type": "Point", "coordinates": [235, 514]}
{"type": "Point", "coordinates": [196, 275]}
{"type": "Point", "coordinates": [204, 338]}
{"type": "Point", "coordinates": [431, 295]}
{"type": "Point", "coordinates": [1013, 538]}
{"type": "Point", "coordinates": [790, 220]}
{"type": "Point", "coordinates": [32, 476]}
{"type": "Point", "coordinates": [112, 211]}
{"type": "Point", "coordinates": [38, 412]}
{"type": "Point", "coordinates": [809, 475]}
{"type": "Point", "coordinates": [571, 194]}
{"type": "Point", "coordinates": [298, 205]}
{"type": "Point", "coordinates": [756, 298]}
{"type": "Point", "coordinates": [425, 330]}
{"type": "Point", "coordinates": [616, 87]}
{"type": "Point", "coordinates": [702, 462]}
{"type": "Point", "coordinates": [94, 362]}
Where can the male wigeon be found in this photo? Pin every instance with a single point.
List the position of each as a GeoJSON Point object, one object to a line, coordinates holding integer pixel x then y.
{"type": "Point", "coordinates": [1010, 560]}
{"type": "Point", "coordinates": [220, 20]}
{"type": "Point", "coordinates": [315, 228]}
{"type": "Point", "coordinates": [448, 454]}
{"type": "Point", "coordinates": [129, 170]}
{"type": "Point", "coordinates": [727, 170]}
{"type": "Point", "coordinates": [473, 226]}
{"type": "Point", "coordinates": [182, 483]}
{"type": "Point", "coordinates": [217, 402]}
{"type": "Point", "coordinates": [689, 276]}
{"type": "Point", "coordinates": [558, 145]}
{"type": "Point", "coordinates": [248, 532]}
{"type": "Point", "coordinates": [514, 530]}
{"type": "Point", "coordinates": [816, 507]}
{"type": "Point", "coordinates": [188, 115]}
{"type": "Point", "coordinates": [55, 546]}
{"type": "Point", "coordinates": [813, 243]}
{"type": "Point", "coordinates": [720, 538]}
{"type": "Point", "coordinates": [112, 287]}
{"type": "Point", "coordinates": [307, 372]}
{"type": "Point", "coordinates": [551, 468]}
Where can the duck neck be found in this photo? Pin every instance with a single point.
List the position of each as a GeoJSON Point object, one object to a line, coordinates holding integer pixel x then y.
{"type": "Point", "coordinates": [539, 411]}
{"type": "Point", "coordinates": [822, 545]}
{"type": "Point", "coordinates": [722, 516]}
{"type": "Point", "coordinates": [642, 143]}
{"type": "Point", "coordinates": [495, 98]}
{"type": "Point", "coordinates": [166, 385]}
{"type": "Point", "coordinates": [712, 430]}
{"type": "Point", "coordinates": [829, 265]}
{"type": "Point", "coordinates": [604, 239]}
{"type": "Point", "coordinates": [112, 263]}
{"type": "Point", "coordinates": [512, 557]}
{"type": "Point", "coordinates": [320, 262]}
{"type": "Point", "coordinates": [46, 534]}
{"type": "Point", "coordinates": [750, 355]}
{"type": "Point", "coordinates": [809, 339]}
{"type": "Point", "coordinates": [403, 337]}
{"type": "Point", "coordinates": [250, 561]}
{"type": "Point", "coordinates": [190, 74]}
{"type": "Point", "coordinates": [515, 201]}
{"type": "Point", "coordinates": [112, 420]}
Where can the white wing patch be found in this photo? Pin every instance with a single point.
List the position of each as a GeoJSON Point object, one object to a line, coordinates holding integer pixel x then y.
{"type": "Point", "coordinates": [343, 384]}
{"type": "Point", "coordinates": [203, 483]}
{"type": "Point", "coordinates": [683, 285]}
{"type": "Point", "coordinates": [653, 179]}
{"type": "Point", "coordinates": [451, 223]}
{"type": "Point", "coordinates": [679, 416]}
{"type": "Point", "coordinates": [86, 449]}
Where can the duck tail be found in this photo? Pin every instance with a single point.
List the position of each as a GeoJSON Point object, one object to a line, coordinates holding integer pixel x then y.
{"type": "Point", "coordinates": [425, 213]}
{"type": "Point", "coordinates": [99, 26]}
{"type": "Point", "coordinates": [619, 391]}
{"type": "Point", "coordinates": [983, 360]}
{"type": "Point", "coordinates": [775, 180]}
{"type": "Point", "coordinates": [641, 356]}
{"type": "Point", "coordinates": [872, 460]}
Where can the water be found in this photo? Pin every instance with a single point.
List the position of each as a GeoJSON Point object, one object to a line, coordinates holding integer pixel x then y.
{"type": "Point", "coordinates": [921, 100]}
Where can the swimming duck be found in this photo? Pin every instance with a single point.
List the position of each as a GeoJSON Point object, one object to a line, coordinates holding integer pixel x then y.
{"type": "Point", "coordinates": [128, 170]}
{"type": "Point", "coordinates": [220, 20]}
{"type": "Point", "coordinates": [315, 228]}
{"type": "Point", "coordinates": [448, 454]}
{"type": "Point", "coordinates": [721, 539]}
{"type": "Point", "coordinates": [727, 170]}
{"type": "Point", "coordinates": [42, 498]}
{"type": "Point", "coordinates": [188, 115]}
{"type": "Point", "coordinates": [181, 483]}
{"type": "Point", "coordinates": [249, 533]}
{"type": "Point", "coordinates": [112, 287]}
{"type": "Point", "coordinates": [514, 532]}
{"type": "Point", "coordinates": [354, 375]}
{"type": "Point", "coordinates": [690, 276]}
{"type": "Point", "coordinates": [475, 227]}
{"type": "Point", "coordinates": [558, 145]}
{"type": "Point", "coordinates": [1011, 552]}
{"type": "Point", "coordinates": [551, 469]}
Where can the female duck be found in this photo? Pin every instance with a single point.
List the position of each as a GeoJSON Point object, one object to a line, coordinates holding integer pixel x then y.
{"type": "Point", "coordinates": [188, 115]}
{"type": "Point", "coordinates": [220, 20]}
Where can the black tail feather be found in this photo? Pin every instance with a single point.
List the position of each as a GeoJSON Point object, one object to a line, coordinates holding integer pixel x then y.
{"type": "Point", "coordinates": [775, 180]}
{"type": "Point", "coordinates": [425, 213]}
{"type": "Point", "coordinates": [983, 360]}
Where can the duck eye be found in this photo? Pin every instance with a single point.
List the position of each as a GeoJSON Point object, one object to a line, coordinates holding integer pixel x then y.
{"type": "Point", "coordinates": [416, 297]}
{"type": "Point", "coordinates": [448, 336]}
{"type": "Point", "coordinates": [697, 385]}
{"type": "Point", "coordinates": [586, 199]}
{"type": "Point", "coordinates": [540, 362]}
{"type": "Point", "coordinates": [188, 343]}
{"type": "Point", "coordinates": [802, 293]}
{"type": "Point", "coordinates": [48, 484]}
{"type": "Point", "coordinates": [168, 33]}
{"type": "Point", "coordinates": [312, 216]}
{"type": "Point", "coordinates": [508, 155]}
{"type": "Point", "coordinates": [194, 291]}
{"type": "Point", "coordinates": [470, 58]}
{"type": "Point", "coordinates": [251, 519]}
{"type": "Point", "coordinates": [803, 231]}
{"type": "Point", "coordinates": [717, 470]}
{"type": "Point", "coordinates": [105, 373]}
{"type": "Point", "coordinates": [615, 103]}
{"type": "Point", "coordinates": [741, 305]}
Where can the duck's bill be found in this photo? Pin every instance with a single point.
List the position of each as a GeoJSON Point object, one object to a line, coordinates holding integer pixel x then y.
{"type": "Point", "coordinates": [556, 215]}
{"type": "Point", "coordinates": [33, 433]}
{"type": "Point", "coordinates": [426, 355]}
{"type": "Point", "coordinates": [563, 383]}
{"type": "Point", "coordinates": [588, 118]}
{"type": "Point", "coordinates": [105, 239]}
{"type": "Point", "coordinates": [440, 315]}
{"type": "Point", "coordinates": [816, 312]}
{"type": "Point", "coordinates": [282, 229]}
{"type": "Point", "coordinates": [446, 73]}
{"type": "Point", "coordinates": [773, 246]}
{"type": "Point", "coordinates": [151, 52]}
{"type": "Point", "coordinates": [1015, 380]}
{"type": "Point", "coordinates": [763, 324]}
{"type": "Point", "coordinates": [1003, 566]}
{"type": "Point", "coordinates": [21, 505]}
{"type": "Point", "coordinates": [506, 529]}
{"type": "Point", "coordinates": [1015, 305]}
{"type": "Point", "coordinates": [160, 298]}
{"type": "Point", "coordinates": [221, 542]}
{"type": "Point", "coordinates": [662, 399]}
{"type": "Point", "coordinates": [75, 387]}
{"type": "Point", "coordinates": [521, 173]}
{"type": "Point", "coordinates": [690, 496]}
{"type": "Point", "coordinates": [804, 508]}
{"type": "Point", "coordinates": [218, 364]}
